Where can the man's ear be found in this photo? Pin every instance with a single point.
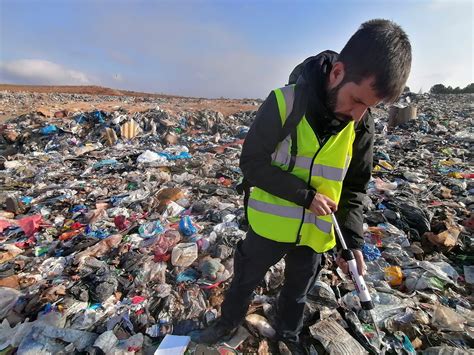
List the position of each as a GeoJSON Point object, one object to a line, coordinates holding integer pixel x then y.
{"type": "Point", "coordinates": [336, 75]}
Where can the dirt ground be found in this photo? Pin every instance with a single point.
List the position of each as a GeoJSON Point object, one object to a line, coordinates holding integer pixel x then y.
{"type": "Point", "coordinates": [43, 99]}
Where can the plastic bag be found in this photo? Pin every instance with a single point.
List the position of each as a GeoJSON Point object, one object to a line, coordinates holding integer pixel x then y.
{"type": "Point", "coordinates": [8, 299]}
{"type": "Point", "coordinates": [445, 318]}
{"type": "Point", "coordinates": [49, 129]}
{"type": "Point", "coordinates": [186, 226]}
{"type": "Point", "coordinates": [184, 254]}
{"type": "Point", "coordinates": [52, 267]}
{"type": "Point", "coordinates": [151, 157]}
{"type": "Point", "coordinates": [394, 275]}
{"type": "Point", "coordinates": [150, 229]}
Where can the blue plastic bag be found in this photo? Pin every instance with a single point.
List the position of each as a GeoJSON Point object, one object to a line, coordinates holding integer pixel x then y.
{"type": "Point", "coordinates": [105, 162]}
{"type": "Point", "coordinates": [99, 117]}
{"type": "Point", "coordinates": [49, 129]}
{"type": "Point", "coordinates": [186, 226]}
{"type": "Point", "coordinates": [80, 119]}
{"type": "Point", "coordinates": [182, 155]}
{"type": "Point", "coordinates": [26, 199]}
{"type": "Point", "coordinates": [79, 208]}
{"type": "Point", "coordinates": [150, 229]}
{"type": "Point", "coordinates": [371, 252]}
{"type": "Point", "coordinates": [99, 234]}
{"type": "Point", "coordinates": [116, 200]}
{"type": "Point", "coordinates": [189, 275]}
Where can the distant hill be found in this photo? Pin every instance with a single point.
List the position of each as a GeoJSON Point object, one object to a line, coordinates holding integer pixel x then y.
{"type": "Point", "coordinates": [86, 89]}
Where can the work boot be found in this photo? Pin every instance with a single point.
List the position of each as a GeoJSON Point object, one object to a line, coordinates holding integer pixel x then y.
{"type": "Point", "coordinates": [270, 310]}
{"type": "Point", "coordinates": [291, 348]}
{"type": "Point", "coordinates": [213, 334]}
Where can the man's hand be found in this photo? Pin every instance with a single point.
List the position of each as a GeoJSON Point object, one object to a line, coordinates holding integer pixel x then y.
{"type": "Point", "coordinates": [359, 258]}
{"type": "Point", "coordinates": [322, 205]}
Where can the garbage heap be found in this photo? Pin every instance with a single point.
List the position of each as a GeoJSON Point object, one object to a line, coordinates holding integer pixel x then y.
{"type": "Point", "coordinates": [117, 230]}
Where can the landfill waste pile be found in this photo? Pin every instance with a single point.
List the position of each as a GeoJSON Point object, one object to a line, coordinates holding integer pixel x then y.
{"type": "Point", "coordinates": [117, 232]}
{"type": "Point", "coordinates": [51, 100]}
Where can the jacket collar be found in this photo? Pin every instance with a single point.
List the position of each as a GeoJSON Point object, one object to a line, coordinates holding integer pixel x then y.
{"type": "Point", "coordinates": [314, 77]}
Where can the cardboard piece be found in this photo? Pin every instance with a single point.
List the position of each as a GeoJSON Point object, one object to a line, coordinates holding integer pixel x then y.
{"type": "Point", "coordinates": [399, 114]}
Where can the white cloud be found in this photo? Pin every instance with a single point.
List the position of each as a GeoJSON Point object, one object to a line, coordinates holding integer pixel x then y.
{"type": "Point", "coordinates": [37, 71]}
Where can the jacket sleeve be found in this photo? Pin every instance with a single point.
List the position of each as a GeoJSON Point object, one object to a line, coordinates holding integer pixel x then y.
{"type": "Point", "coordinates": [350, 209]}
{"type": "Point", "coordinates": [255, 160]}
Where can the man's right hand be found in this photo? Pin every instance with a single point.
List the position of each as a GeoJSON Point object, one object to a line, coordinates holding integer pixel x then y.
{"type": "Point", "coordinates": [322, 205]}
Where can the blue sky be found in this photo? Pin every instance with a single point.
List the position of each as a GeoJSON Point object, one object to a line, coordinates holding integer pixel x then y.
{"type": "Point", "coordinates": [216, 48]}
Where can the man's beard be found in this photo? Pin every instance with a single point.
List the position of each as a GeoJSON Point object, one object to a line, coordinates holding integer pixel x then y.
{"type": "Point", "coordinates": [331, 102]}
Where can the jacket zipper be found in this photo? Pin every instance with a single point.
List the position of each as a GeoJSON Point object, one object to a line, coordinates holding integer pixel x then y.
{"type": "Point", "coordinates": [321, 144]}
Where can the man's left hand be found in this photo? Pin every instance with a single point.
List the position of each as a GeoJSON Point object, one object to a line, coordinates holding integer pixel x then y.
{"type": "Point", "coordinates": [359, 257]}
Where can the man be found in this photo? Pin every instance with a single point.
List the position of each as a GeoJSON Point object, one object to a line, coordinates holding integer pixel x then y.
{"type": "Point", "coordinates": [322, 165]}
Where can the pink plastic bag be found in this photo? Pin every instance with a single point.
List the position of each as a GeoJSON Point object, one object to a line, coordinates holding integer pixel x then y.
{"type": "Point", "coordinates": [30, 224]}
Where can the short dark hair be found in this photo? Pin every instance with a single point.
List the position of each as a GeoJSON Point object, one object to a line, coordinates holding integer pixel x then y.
{"type": "Point", "coordinates": [379, 48]}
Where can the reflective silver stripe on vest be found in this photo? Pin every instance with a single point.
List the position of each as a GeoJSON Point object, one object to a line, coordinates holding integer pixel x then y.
{"type": "Point", "coordinates": [346, 166]}
{"type": "Point", "coordinates": [327, 172]}
{"type": "Point", "coordinates": [281, 154]}
{"type": "Point", "coordinates": [290, 212]}
{"type": "Point", "coordinates": [289, 95]}
{"type": "Point", "coordinates": [348, 161]}
{"type": "Point", "coordinates": [323, 225]}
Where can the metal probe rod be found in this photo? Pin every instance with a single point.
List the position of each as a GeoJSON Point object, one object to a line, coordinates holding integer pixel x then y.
{"type": "Point", "coordinates": [338, 231]}
{"type": "Point", "coordinates": [348, 256]}
{"type": "Point", "coordinates": [359, 282]}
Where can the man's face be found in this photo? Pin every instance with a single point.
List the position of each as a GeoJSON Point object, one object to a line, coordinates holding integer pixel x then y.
{"type": "Point", "coordinates": [348, 100]}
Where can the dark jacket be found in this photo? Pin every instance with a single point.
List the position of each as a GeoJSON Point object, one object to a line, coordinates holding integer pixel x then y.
{"type": "Point", "coordinates": [263, 138]}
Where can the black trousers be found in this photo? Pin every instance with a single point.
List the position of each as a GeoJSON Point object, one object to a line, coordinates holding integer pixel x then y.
{"type": "Point", "coordinates": [253, 257]}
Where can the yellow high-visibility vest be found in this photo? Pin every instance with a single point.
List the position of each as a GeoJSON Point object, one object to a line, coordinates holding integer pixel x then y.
{"type": "Point", "coordinates": [323, 168]}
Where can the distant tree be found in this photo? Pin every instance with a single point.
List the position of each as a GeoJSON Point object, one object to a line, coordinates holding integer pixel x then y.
{"type": "Point", "coordinates": [438, 89]}
{"type": "Point", "coordinates": [469, 89]}
{"type": "Point", "coordinates": [441, 89]}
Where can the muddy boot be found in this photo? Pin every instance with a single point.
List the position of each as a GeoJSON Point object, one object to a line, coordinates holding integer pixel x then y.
{"type": "Point", "coordinates": [215, 333]}
{"type": "Point", "coordinates": [291, 348]}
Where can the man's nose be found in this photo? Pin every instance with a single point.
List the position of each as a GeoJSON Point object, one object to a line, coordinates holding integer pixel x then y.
{"type": "Point", "coordinates": [358, 112]}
